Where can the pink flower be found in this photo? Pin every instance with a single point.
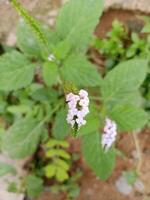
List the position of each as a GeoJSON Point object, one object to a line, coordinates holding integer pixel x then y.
{"type": "Point", "coordinates": [109, 135]}
{"type": "Point", "coordinates": [78, 108]}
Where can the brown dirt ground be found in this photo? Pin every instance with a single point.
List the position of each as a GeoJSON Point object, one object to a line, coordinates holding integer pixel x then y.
{"type": "Point", "coordinates": [91, 187]}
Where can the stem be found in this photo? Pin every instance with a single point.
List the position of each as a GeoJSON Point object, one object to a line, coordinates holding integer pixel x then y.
{"type": "Point", "coordinates": [138, 149]}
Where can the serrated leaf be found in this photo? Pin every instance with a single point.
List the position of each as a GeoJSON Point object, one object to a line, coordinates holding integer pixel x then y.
{"type": "Point", "coordinates": [60, 128]}
{"type": "Point", "coordinates": [79, 71]}
{"type": "Point", "coordinates": [101, 162]}
{"type": "Point", "coordinates": [81, 16]}
{"type": "Point", "coordinates": [22, 138]}
{"type": "Point", "coordinates": [124, 79]}
{"type": "Point", "coordinates": [5, 169]}
{"type": "Point", "coordinates": [15, 71]}
{"type": "Point", "coordinates": [50, 73]}
{"type": "Point", "coordinates": [128, 117]}
{"type": "Point", "coordinates": [34, 186]}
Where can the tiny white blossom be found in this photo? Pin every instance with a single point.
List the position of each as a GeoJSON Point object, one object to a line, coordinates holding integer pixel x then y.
{"type": "Point", "coordinates": [78, 108]}
{"type": "Point", "coordinates": [51, 57]}
{"type": "Point", "coordinates": [109, 135]}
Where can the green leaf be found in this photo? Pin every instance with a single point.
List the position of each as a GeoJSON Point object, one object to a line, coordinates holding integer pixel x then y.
{"type": "Point", "coordinates": [128, 117]}
{"type": "Point", "coordinates": [34, 186]}
{"type": "Point", "coordinates": [61, 128]}
{"type": "Point", "coordinates": [57, 152]}
{"type": "Point", "coordinates": [102, 163]}
{"type": "Point", "coordinates": [50, 73]}
{"type": "Point", "coordinates": [19, 109]}
{"type": "Point", "coordinates": [92, 124]}
{"type": "Point", "coordinates": [79, 71]}
{"type": "Point", "coordinates": [124, 79]}
{"type": "Point", "coordinates": [15, 71]}
{"type": "Point", "coordinates": [26, 40]}
{"type": "Point", "coordinates": [52, 143]}
{"type": "Point", "coordinates": [22, 138]}
{"type": "Point", "coordinates": [77, 21]}
{"type": "Point", "coordinates": [50, 170]}
{"type": "Point", "coordinates": [61, 175]}
{"type": "Point", "coordinates": [5, 169]}
{"type": "Point", "coordinates": [62, 163]}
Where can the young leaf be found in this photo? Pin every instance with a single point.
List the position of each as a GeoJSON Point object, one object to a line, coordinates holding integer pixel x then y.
{"type": "Point", "coordinates": [101, 162]}
{"type": "Point", "coordinates": [61, 174]}
{"type": "Point", "coordinates": [79, 71]}
{"type": "Point", "coordinates": [15, 71]}
{"type": "Point", "coordinates": [22, 138]}
{"type": "Point", "coordinates": [60, 128]}
{"type": "Point", "coordinates": [81, 16]}
{"type": "Point", "coordinates": [124, 79]}
{"type": "Point", "coordinates": [34, 186]}
{"type": "Point", "coordinates": [50, 170]}
{"type": "Point", "coordinates": [57, 152]}
{"type": "Point", "coordinates": [128, 117]}
{"type": "Point", "coordinates": [5, 169]}
{"type": "Point", "coordinates": [50, 73]}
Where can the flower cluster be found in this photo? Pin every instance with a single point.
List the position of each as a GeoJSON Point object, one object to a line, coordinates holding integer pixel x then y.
{"type": "Point", "coordinates": [110, 133]}
{"type": "Point", "coordinates": [78, 108]}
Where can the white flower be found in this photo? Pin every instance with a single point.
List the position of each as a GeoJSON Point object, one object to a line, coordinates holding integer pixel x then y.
{"type": "Point", "coordinates": [78, 108]}
{"type": "Point", "coordinates": [51, 57]}
{"type": "Point", "coordinates": [109, 135]}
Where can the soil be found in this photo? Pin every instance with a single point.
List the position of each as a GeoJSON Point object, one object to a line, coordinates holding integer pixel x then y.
{"type": "Point", "coordinates": [91, 187]}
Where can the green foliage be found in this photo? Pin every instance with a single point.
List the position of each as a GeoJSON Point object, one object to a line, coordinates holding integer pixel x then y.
{"type": "Point", "coordinates": [15, 71]}
{"type": "Point", "coordinates": [113, 44]}
{"type": "Point", "coordinates": [93, 121]}
{"type": "Point", "coordinates": [100, 161]}
{"type": "Point", "coordinates": [123, 80]}
{"type": "Point", "coordinates": [79, 71]}
{"type": "Point", "coordinates": [22, 138]}
{"type": "Point", "coordinates": [81, 17]}
{"type": "Point", "coordinates": [129, 117]}
{"type": "Point", "coordinates": [58, 166]}
{"type": "Point", "coordinates": [5, 169]}
{"type": "Point", "coordinates": [60, 127]}
{"type": "Point", "coordinates": [50, 73]}
{"type": "Point", "coordinates": [34, 186]}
